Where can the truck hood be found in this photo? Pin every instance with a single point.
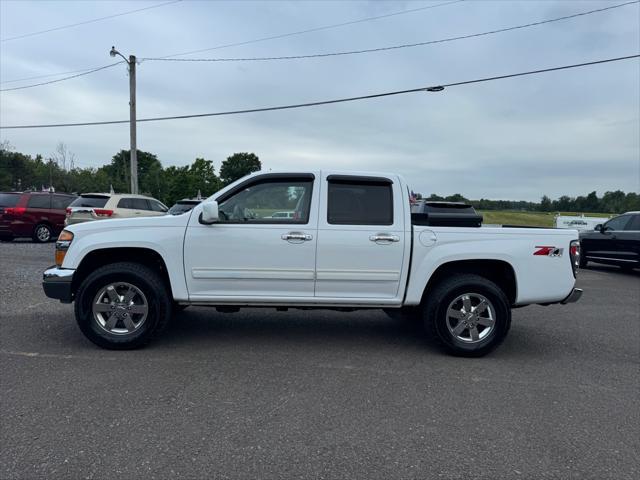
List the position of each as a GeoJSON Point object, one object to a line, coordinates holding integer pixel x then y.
{"type": "Point", "coordinates": [129, 223]}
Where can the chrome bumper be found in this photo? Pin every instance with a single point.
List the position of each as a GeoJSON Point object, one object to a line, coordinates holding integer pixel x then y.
{"type": "Point", "coordinates": [573, 297]}
{"type": "Point", "coordinates": [56, 283]}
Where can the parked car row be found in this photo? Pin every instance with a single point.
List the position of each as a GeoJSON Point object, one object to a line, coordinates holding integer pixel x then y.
{"type": "Point", "coordinates": [42, 215]}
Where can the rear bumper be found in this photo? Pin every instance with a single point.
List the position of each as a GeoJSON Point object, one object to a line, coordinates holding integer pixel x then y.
{"type": "Point", "coordinates": [573, 297]}
{"type": "Point", "coordinates": [56, 283]}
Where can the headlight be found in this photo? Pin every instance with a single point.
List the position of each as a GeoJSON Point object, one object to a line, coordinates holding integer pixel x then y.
{"type": "Point", "coordinates": [62, 245]}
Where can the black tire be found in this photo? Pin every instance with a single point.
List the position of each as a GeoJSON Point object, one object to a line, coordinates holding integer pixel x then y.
{"type": "Point", "coordinates": [444, 293]}
{"type": "Point", "coordinates": [143, 278]}
{"type": "Point", "coordinates": [6, 239]}
{"type": "Point", "coordinates": [42, 233]}
{"type": "Point", "coordinates": [405, 314]}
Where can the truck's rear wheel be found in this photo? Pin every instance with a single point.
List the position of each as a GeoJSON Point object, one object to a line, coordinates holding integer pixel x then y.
{"type": "Point", "coordinates": [468, 315]}
{"type": "Point", "coordinates": [122, 306]}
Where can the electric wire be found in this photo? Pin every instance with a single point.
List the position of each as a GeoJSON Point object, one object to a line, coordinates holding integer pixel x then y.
{"type": "Point", "coordinates": [433, 88]}
{"type": "Point", "coordinates": [62, 27]}
{"type": "Point", "coordinates": [310, 30]}
{"type": "Point", "coordinates": [325, 27]}
{"type": "Point", "coordinates": [334, 54]}
{"type": "Point", "coordinates": [393, 47]}
{"type": "Point", "coordinates": [104, 67]}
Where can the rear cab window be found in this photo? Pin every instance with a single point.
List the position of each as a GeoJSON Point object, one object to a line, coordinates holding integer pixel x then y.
{"type": "Point", "coordinates": [91, 201]}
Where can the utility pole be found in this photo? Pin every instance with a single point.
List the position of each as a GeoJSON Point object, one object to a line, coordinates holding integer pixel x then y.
{"type": "Point", "coordinates": [132, 124]}
{"type": "Point", "coordinates": [133, 151]}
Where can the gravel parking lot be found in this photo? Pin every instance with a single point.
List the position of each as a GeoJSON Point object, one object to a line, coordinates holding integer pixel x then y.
{"type": "Point", "coordinates": [265, 394]}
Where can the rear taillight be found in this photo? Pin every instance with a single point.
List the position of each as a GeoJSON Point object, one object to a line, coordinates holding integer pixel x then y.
{"type": "Point", "coordinates": [15, 211]}
{"type": "Point", "coordinates": [100, 212]}
{"type": "Point", "coordinates": [68, 211]}
{"type": "Point", "coordinates": [574, 254]}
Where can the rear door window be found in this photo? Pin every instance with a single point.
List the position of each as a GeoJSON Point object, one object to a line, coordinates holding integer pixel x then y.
{"type": "Point", "coordinates": [92, 201]}
{"type": "Point", "coordinates": [355, 202]}
{"type": "Point", "coordinates": [9, 199]}
{"type": "Point", "coordinates": [39, 201]}
{"type": "Point", "coordinates": [124, 203]}
{"type": "Point", "coordinates": [140, 204]}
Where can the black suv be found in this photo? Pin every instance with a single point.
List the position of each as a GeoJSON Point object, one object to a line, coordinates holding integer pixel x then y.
{"type": "Point", "coordinates": [616, 242]}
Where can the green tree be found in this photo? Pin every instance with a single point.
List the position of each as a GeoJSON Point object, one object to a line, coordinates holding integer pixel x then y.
{"type": "Point", "coordinates": [149, 173]}
{"type": "Point", "coordinates": [545, 204]}
{"type": "Point", "coordinates": [238, 165]}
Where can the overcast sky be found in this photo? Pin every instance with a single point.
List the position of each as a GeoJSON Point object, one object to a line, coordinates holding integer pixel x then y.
{"type": "Point", "coordinates": [567, 132]}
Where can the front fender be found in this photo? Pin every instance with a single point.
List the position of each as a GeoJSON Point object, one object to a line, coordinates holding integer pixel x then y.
{"type": "Point", "coordinates": [166, 241]}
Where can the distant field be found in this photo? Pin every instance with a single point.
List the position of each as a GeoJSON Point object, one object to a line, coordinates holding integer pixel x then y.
{"type": "Point", "coordinates": [533, 219]}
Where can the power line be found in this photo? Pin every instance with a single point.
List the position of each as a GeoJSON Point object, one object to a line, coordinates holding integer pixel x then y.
{"type": "Point", "coordinates": [310, 30]}
{"type": "Point", "coordinates": [351, 52]}
{"type": "Point", "coordinates": [62, 79]}
{"type": "Point", "coordinates": [273, 37]}
{"type": "Point", "coordinates": [394, 47]}
{"type": "Point", "coordinates": [40, 32]}
{"type": "Point", "coordinates": [68, 72]}
{"type": "Point", "coordinates": [433, 88]}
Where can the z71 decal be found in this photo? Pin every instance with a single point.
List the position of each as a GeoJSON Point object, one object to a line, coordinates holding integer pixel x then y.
{"type": "Point", "coordinates": [548, 251]}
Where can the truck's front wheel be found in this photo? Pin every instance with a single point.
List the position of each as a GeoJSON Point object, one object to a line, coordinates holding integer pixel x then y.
{"type": "Point", "coordinates": [467, 314]}
{"type": "Point", "coordinates": [122, 306]}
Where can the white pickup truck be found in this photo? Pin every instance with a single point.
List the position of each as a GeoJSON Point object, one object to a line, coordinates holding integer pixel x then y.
{"type": "Point", "coordinates": [349, 243]}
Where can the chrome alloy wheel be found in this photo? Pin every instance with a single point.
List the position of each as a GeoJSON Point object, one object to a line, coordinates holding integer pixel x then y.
{"type": "Point", "coordinates": [120, 308]}
{"type": "Point", "coordinates": [43, 233]}
{"type": "Point", "coordinates": [470, 317]}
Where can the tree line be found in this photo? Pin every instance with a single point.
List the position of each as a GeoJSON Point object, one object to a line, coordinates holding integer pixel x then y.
{"type": "Point", "coordinates": [168, 184]}
{"type": "Point", "coordinates": [611, 202]}
{"type": "Point", "coordinates": [19, 171]}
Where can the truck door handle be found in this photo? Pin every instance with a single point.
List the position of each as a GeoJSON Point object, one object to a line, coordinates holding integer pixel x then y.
{"type": "Point", "coordinates": [296, 237]}
{"type": "Point", "coordinates": [384, 237]}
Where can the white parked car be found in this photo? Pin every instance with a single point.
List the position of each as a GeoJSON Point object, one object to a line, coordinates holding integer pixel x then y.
{"type": "Point", "coordinates": [100, 206]}
{"type": "Point", "coordinates": [351, 244]}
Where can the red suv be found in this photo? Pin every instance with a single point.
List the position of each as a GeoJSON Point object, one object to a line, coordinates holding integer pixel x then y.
{"type": "Point", "coordinates": [39, 215]}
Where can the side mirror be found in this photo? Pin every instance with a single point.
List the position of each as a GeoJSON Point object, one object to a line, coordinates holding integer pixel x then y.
{"type": "Point", "coordinates": [598, 228]}
{"type": "Point", "coordinates": [209, 213]}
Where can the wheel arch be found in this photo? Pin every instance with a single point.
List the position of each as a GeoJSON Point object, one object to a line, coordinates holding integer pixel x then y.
{"type": "Point", "coordinates": [498, 271]}
{"type": "Point", "coordinates": [104, 256]}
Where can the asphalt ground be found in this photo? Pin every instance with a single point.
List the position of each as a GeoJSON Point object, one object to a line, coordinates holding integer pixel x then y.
{"type": "Point", "coordinates": [265, 394]}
